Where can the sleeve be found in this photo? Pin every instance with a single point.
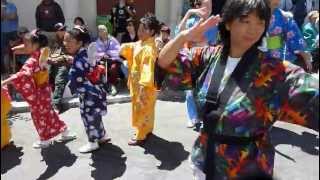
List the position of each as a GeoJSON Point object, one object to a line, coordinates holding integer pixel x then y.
{"type": "Point", "coordinates": [126, 51]}
{"type": "Point", "coordinates": [147, 69]}
{"type": "Point", "coordinates": [114, 50]}
{"type": "Point", "coordinates": [60, 15]}
{"type": "Point", "coordinates": [294, 37]}
{"type": "Point", "coordinates": [188, 66]}
{"type": "Point", "coordinates": [300, 93]}
{"type": "Point", "coordinates": [309, 37]}
{"type": "Point", "coordinates": [78, 80]}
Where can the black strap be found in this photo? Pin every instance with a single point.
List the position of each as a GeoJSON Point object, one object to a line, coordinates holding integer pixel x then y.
{"type": "Point", "coordinates": [212, 98]}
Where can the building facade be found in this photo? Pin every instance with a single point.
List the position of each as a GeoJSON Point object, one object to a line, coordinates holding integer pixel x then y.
{"type": "Point", "coordinates": [167, 11]}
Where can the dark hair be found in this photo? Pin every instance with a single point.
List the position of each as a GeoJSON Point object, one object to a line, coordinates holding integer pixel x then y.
{"type": "Point", "coordinates": [242, 8]}
{"type": "Point", "coordinates": [78, 19]}
{"type": "Point", "coordinates": [194, 3]}
{"type": "Point", "coordinates": [80, 34]}
{"type": "Point", "coordinates": [151, 22]}
{"type": "Point", "coordinates": [130, 20]}
{"type": "Point", "coordinates": [36, 37]}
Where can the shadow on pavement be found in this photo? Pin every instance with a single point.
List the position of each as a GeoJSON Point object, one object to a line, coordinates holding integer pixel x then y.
{"type": "Point", "coordinates": [170, 154]}
{"type": "Point", "coordinates": [109, 162]}
{"type": "Point", "coordinates": [10, 157]}
{"type": "Point", "coordinates": [56, 157]}
{"type": "Point", "coordinates": [307, 141]}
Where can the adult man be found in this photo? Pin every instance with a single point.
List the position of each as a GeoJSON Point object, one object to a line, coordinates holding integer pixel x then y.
{"type": "Point", "coordinates": [120, 13]}
{"type": "Point", "coordinates": [9, 26]}
{"type": "Point", "coordinates": [108, 49]}
{"type": "Point", "coordinates": [59, 67]}
{"type": "Point", "coordinates": [49, 13]}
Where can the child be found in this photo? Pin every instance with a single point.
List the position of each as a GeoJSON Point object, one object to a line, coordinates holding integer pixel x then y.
{"type": "Point", "coordinates": [32, 83]}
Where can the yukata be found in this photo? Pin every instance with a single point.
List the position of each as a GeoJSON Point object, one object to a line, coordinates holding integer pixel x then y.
{"type": "Point", "coordinates": [93, 96]}
{"type": "Point", "coordinates": [111, 48]}
{"type": "Point", "coordinates": [284, 37]}
{"type": "Point", "coordinates": [45, 119]}
{"type": "Point", "coordinates": [235, 139]}
{"type": "Point", "coordinates": [311, 36]}
{"type": "Point", "coordinates": [141, 57]}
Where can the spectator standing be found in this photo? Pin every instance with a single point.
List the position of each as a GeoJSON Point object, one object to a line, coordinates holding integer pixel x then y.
{"type": "Point", "coordinates": [131, 33]}
{"type": "Point", "coordinates": [59, 67]}
{"type": "Point", "coordinates": [119, 15]}
{"type": "Point", "coordinates": [9, 26]}
{"type": "Point", "coordinates": [48, 14]}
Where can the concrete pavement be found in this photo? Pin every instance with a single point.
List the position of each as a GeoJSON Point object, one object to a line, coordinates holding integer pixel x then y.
{"type": "Point", "coordinates": [164, 157]}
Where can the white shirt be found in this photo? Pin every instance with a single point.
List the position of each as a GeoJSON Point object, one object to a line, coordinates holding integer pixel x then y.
{"type": "Point", "coordinates": [230, 67]}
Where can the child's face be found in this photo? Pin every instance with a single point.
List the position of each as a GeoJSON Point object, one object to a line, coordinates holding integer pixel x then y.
{"type": "Point", "coordinates": [164, 35]}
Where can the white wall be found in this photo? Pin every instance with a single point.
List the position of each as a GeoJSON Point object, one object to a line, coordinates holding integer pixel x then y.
{"type": "Point", "coordinates": [168, 11]}
{"type": "Point", "coordinates": [87, 9]}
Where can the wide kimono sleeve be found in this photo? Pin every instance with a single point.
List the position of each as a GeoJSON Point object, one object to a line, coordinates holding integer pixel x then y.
{"type": "Point", "coordinates": [148, 60]}
{"type": "Point", "coordinates": [78, 81]}
{"type": "Point", "coordinates": [310, 37]}
{"type": "Point", "coordinates": [300, 98]}
{"type": "Point", "coordinates": [25, 75]}
{"type": "Point", "coordinates": [189, 64]}
{"type": "Point", "coordinates": [294, 37]}
{"type": "Point", "coordinates": [126, 51]}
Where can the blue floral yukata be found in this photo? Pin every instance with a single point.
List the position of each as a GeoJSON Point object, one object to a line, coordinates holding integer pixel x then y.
{"type": "Point", "coordinates": [93, 97]}
{"type": "Point", "coordinates": [284, 37]}
{"type": "Point", "coordinates": [235, 139]}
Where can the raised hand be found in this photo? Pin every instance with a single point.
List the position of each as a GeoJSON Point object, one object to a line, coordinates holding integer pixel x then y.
{"type": "Point", "coordinates": [196, 33]}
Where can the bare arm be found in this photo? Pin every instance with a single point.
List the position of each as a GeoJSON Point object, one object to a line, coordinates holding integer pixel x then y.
{"type": "Point", "coordinates": [199, 12]}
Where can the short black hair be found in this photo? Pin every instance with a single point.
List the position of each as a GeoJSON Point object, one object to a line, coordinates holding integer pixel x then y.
{"type": "Point", "coordinates": [79, 19]}
{"type": "Point", "coordinates": [80, 33]}
{"type": "Point", "coordinates": [194, 3]}
{"type": "Point", "coordinates": [151, 22]}
{"type": "Point", "coordinates": [235, 9]}
{"type": "Point", "coordinates": [36, 37]}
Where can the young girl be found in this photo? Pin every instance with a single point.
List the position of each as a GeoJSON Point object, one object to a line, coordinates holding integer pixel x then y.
{"type": "Point", "coordinates": [141, 57]}
{"type": "Point", "coordinates": [38, 94]}
{"type": "Point", "coordinates": [92, 94]}
{"type": "Point", "coordinates": [241, 93]}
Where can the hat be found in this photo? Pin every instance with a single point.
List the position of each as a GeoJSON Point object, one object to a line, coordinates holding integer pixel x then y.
{"type": "Point", "coordinates": [60, 27]}
{"type": "Point", "coordinates": [102, 28]}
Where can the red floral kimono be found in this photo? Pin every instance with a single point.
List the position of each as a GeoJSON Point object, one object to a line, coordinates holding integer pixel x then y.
{"type": "Point", "coordinates": [45, 119]}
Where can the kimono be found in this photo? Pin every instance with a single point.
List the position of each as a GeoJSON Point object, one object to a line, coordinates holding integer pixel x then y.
{"type": "Point", "coordinates": [310, 34]}
{"type": "Point", "coordinates": [234, 140]}
{"type": "Point", "coordinates": [93, 96]}
{"type": "Point", "coordinates": [46, 120]}
{"type": "Point", "coordinates": [284, 37]}
{"type": "Point", "coordinates": [141, 57]}
{"type": "Point", "coordinates": [5, 109]}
